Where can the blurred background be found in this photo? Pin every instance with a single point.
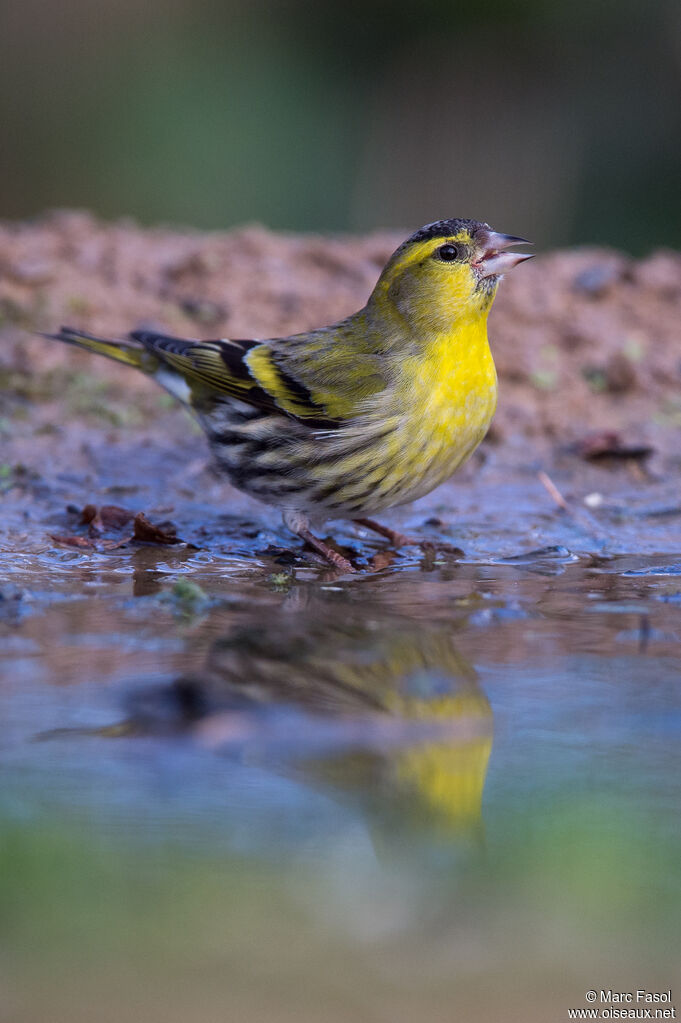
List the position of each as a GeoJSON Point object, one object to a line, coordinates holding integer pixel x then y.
{"type": "Point", "coordinates": [558, 121]}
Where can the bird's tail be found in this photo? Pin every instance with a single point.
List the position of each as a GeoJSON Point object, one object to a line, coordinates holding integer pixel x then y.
{"type": "Point", "coordinates": [130, 352]}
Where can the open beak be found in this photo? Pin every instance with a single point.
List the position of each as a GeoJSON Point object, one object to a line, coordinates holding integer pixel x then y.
{"type": "Point", "coordinates": [493, 259]}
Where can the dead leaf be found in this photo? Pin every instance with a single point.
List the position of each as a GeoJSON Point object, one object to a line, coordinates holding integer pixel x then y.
{"type": "Point", "coordinates": [81, 542]}
{"type": "Point", "coordinates": [382, 559]}
{"type": "Point", "coordinates": [147, 532]}
{"type": "Point", "coordinates": [609, 444]}
{"type": "Point", "coordinates": [111, 545]}
{"type": "Point", "coordinates": [114, 517]}
{"type": "Point", "coordinates": [109, 516]}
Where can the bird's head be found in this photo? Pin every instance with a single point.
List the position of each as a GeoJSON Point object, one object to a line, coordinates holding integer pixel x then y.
{"type": "Point", "coordinates": [446, 273]}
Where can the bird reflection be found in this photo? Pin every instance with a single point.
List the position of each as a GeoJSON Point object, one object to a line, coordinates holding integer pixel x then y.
{"type": "Point", "coordinates": [382, 713]}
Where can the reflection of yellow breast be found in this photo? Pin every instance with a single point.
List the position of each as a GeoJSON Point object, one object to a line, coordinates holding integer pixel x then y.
{"type": "Point", "coordinates": [447, 778]}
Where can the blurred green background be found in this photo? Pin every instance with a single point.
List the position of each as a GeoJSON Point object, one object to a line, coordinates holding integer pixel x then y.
{"type": "Point", "coordinates": [558, 121]}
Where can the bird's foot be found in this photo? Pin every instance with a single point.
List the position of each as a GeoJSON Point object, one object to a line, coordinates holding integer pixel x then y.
{"type": "Point", "coordinates": [403, 540]}
{"type": "Point", "coordinates": [331, 555]}
{"type": "Point", "coordinates": [299, 523]}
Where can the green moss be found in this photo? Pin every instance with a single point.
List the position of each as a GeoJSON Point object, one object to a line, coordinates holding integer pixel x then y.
{"type": "Point", "coordinates": [186, 598]}
{"type": "Point", "coordinates": [280, 580]}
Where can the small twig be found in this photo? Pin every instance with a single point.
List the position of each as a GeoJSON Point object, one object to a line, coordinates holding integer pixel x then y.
{"type": "Point", "coordinates": [582, 519]}
{"type": "Point", "coordinates": [553, 490]}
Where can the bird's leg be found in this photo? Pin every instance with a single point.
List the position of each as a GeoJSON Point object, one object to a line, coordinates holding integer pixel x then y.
{"type": "Point", "coordinates": [332, 556]}
{"type": "Point", "coordinates": [402, 540]}
{"type": "Point", "coordinates": [395, 537]}
{"type": "Point", "coordinates": [300, 525]}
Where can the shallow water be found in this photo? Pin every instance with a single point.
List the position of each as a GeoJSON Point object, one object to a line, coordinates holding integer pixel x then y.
{"type": "Point", "coordinates": [445, 788]}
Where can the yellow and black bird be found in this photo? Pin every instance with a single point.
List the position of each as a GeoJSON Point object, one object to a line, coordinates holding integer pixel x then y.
{"type": "Point", "coordinates": [348, 420]}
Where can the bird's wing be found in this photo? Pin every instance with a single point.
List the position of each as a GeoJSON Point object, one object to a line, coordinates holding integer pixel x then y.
{"type": "Point", "coordinates": [249, 371]}
{"type": "Point", "coordinates": [324, 379]}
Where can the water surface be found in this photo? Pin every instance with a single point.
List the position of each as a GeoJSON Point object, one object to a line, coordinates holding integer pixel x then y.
{"type": "Point", "coordinates": [444, 788]}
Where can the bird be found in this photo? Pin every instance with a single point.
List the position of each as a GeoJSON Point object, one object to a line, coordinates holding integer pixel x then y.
{"type": "Point", "coordinates": [349, 420]}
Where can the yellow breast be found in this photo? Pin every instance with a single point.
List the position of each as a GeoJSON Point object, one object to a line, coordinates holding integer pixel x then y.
{"type": "Point", "coordinates": [453, 398]}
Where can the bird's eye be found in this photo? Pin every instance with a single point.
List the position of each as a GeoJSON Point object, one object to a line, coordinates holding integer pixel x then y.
{"type": "Point", "coordinates": [448, 253]}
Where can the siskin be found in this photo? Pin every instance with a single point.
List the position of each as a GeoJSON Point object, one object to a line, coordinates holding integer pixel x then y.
{"type": "Point", "coordinates": [349, 420]}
